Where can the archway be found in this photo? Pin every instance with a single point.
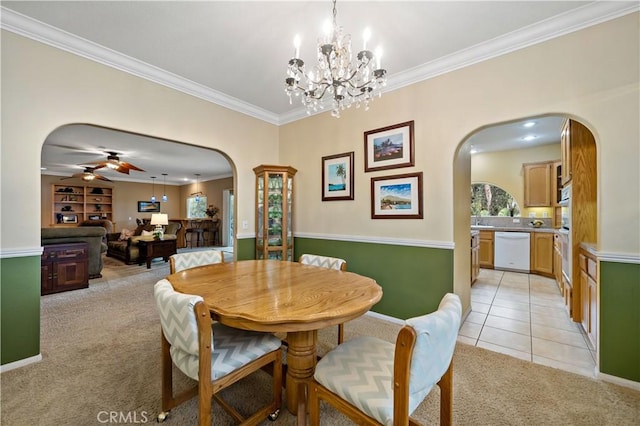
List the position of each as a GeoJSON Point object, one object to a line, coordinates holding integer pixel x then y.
{"type": "Point", "coordinates": [168, 171]}
{"type": "Point", "coordinates": [584, 181]}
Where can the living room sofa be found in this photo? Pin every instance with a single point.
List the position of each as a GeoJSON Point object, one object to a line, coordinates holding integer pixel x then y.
{"type": "Point", "coordinates": [124, 247]}
{"type": "Point", "coordinates": [92, 235]}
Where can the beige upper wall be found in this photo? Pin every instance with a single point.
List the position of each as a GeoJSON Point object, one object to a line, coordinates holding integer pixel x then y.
{"type": "Point", "coordinates": [504, 169]}
{"type": "Point", "coordinates": [590, 75]}
{"type": "Point", "coordinates": [44, 88]}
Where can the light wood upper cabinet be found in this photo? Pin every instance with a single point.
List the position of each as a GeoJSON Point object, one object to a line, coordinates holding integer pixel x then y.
{"type": "Point", "coordinates": [537, 184]}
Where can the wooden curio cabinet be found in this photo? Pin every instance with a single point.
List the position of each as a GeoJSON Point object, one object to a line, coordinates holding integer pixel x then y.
{"type": "Point", "coordinates": [274, 212]}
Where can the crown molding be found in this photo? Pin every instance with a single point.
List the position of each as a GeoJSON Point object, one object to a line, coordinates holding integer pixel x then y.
{"type": "Point", "coordinates": [575, 20]}
{"type": "Point", "coordinates": [52, 36]}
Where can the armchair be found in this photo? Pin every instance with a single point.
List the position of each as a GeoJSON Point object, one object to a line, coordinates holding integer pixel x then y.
{"type": "Point", "coordinates": [375, 382]}
{"type": "Point", "coordinates": [215, 356]}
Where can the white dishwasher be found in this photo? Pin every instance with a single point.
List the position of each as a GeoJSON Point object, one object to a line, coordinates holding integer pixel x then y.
{"type": "Point", "coordinates": [511, 251]}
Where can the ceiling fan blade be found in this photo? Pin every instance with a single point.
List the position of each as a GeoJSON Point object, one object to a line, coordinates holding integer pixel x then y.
{"type": "Point", "coordinates": [121, 170]}
{"type": "Point", "coordinates": [102, 177]}
{"type": "Point", "coordinates": [130, 166]}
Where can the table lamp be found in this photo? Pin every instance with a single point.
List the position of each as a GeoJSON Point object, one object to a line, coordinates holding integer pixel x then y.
{"type": "Point", "coordinates": [159, 219]}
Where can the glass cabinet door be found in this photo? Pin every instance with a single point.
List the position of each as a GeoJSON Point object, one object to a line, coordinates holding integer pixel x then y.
{"type": "Point", "coordinates": [274, 212]}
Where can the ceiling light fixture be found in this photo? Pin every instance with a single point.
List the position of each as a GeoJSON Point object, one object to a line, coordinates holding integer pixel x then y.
{"type": "Point", "coordinates": [334, 75]}
{"type": "Point", "coordinates": [529, 124]}
{"type": "Point", "coordinates": [529, 138]}
{"type": "Point", "coordinates": [197, 192]}
{"type": "Point", "coordinates": [164, 188]}
{"type": "Point", "coordinates": [153, 189]}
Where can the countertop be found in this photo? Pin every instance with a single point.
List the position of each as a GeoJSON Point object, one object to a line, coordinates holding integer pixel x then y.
{"type": "Point", "coordinates": [512, 229]}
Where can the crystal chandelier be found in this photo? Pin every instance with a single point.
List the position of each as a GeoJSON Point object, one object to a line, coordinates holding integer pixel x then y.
{"type": "Point", "coordinates": [335, 77]}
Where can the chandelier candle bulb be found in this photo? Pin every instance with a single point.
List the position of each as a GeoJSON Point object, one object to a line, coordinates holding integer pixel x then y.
{"type": "Point", "coordinates": [366, 36]}
{"type": "Point", "coordinates": [296, 44]}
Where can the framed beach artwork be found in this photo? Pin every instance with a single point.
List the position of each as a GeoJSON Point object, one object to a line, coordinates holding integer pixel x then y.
{"type": "Point", "coordinates": [389, 147]}
{"type": "Point", "coordinates": [397, 197]}
{"type": "Point", "coordinates": [337, 177]}
{"type": "Point", "coordinates": [149, 207]}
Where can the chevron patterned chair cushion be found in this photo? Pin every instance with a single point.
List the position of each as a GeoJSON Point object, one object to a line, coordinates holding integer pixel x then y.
{"type": "Point", "coordinates": [232, 348]}
{"type": "Point", "coordinates": [360, 371]}
{"type": "Point", "coordinates": [182, 261]}
{"type": "Point", "coordinates": [322, 261]}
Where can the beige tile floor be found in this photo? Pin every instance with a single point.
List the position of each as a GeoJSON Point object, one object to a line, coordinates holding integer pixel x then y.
{"type": "Point", "coordinates": [523, 315]}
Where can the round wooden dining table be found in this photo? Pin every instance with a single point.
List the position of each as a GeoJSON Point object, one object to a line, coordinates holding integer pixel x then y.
{"type": "Point", "coordinates": [281, 296]}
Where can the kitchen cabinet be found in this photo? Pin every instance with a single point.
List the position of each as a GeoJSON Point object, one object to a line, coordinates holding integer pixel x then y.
{"type": "Point", "coordinates": [537, 184]}
{"type": "Point", "coordinates": [475, 260]}
{"type": "Point", "coordinates": [557, 260]}
{"type": "Point", "coordinates": [64, 267]}
{"type": "Point", "coordinates": [567, 295]}
{"type": "Point", "coordinates": [588, 266]}
{"type": "Point", "coordinates": [274, 212]}
{"type": "Point", "coordinates": [485, 250]}
{"type": "Point", "coordinates": [542, 253]}
{"type": "Point", "coordinates": [565, 150]}
{"type": "Point", "coordinates": [73, 204]}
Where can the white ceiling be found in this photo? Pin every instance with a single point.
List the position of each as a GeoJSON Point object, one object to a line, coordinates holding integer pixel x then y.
{"type": "Point", "coordinates": [234, 53]}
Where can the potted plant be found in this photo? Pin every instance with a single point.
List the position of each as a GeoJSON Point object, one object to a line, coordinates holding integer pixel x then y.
{"type": "Point", "coordinates": [211, 211]}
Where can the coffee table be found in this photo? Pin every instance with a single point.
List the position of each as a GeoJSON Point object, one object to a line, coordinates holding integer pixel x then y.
{"type": "Point", "coordinates": [150, 249]}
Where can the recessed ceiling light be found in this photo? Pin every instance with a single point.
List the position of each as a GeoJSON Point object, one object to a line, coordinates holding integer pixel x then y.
{"type": "Point", "coordinates": [529, 124]}
{"type": "Point", "coordinates": [43, 168]}
{"type": "Point", "coordinates": [529, 138]}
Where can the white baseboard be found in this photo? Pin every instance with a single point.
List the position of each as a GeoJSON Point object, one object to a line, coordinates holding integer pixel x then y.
{"type": "Point", "coordinates": [20, 363]}
{"type": "Point", "coordinates": [619, 381]}
{"type": "Point", "coordinates": [385, 317]}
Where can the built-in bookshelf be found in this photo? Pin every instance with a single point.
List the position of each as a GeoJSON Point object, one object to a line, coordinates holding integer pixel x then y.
{"type": "Point", "coordinates": [72, 204]}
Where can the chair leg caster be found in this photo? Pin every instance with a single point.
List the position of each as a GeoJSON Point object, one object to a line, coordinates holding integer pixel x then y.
{"type": "Point", "coordinates": [274, 416]}
{"type": "Point", "coordinates": [162, 417]}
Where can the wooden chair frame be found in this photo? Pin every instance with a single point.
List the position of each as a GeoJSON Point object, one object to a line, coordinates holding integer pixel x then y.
{"type": "Point", "coordinates": [206, 389]}
{"type": "Point", "coordinates": [402, 365]}
{"type": "Point", "coordinates": [343, 268]}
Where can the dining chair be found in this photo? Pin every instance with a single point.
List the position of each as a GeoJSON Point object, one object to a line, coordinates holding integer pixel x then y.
{"type": "Point", "coordinates": [330, 263]}
{"type": "Point", "coordinates": [375, 382]}
{"type": "Point", "coordinates": [181, 261]}
{"type": "Point", "coordinates": [215, 356]}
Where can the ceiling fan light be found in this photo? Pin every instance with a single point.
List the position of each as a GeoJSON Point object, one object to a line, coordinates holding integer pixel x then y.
{"type": "Point", "coordinates": [112, 166]}
{"type": "Point", "coordinates": [88, 177]}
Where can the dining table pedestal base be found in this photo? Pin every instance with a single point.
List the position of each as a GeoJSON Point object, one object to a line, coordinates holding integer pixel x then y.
{"type": "Point", "coordinates": [301, 363]}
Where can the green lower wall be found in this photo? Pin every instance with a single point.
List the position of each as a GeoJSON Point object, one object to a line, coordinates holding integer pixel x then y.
{"type": "Point", "coordinates": [19, 308]}
{"type": "Point", "coordinates": [413, 279]}
{"type": "Point", "coordinates": [620, 320]}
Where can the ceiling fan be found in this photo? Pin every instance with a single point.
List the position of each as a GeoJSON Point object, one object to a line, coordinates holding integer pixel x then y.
{"type": "Point", "coordinates": [87, 175]}
{"type": "Point", "coordinates": [113, 162]}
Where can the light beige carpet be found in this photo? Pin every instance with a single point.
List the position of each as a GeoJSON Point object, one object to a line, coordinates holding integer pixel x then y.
{"type": "Point", "coordinates": [101, 358]}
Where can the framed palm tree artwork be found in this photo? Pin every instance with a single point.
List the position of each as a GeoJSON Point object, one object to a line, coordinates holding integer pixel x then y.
{"type": "Point", "coordinates": [337, 177]}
